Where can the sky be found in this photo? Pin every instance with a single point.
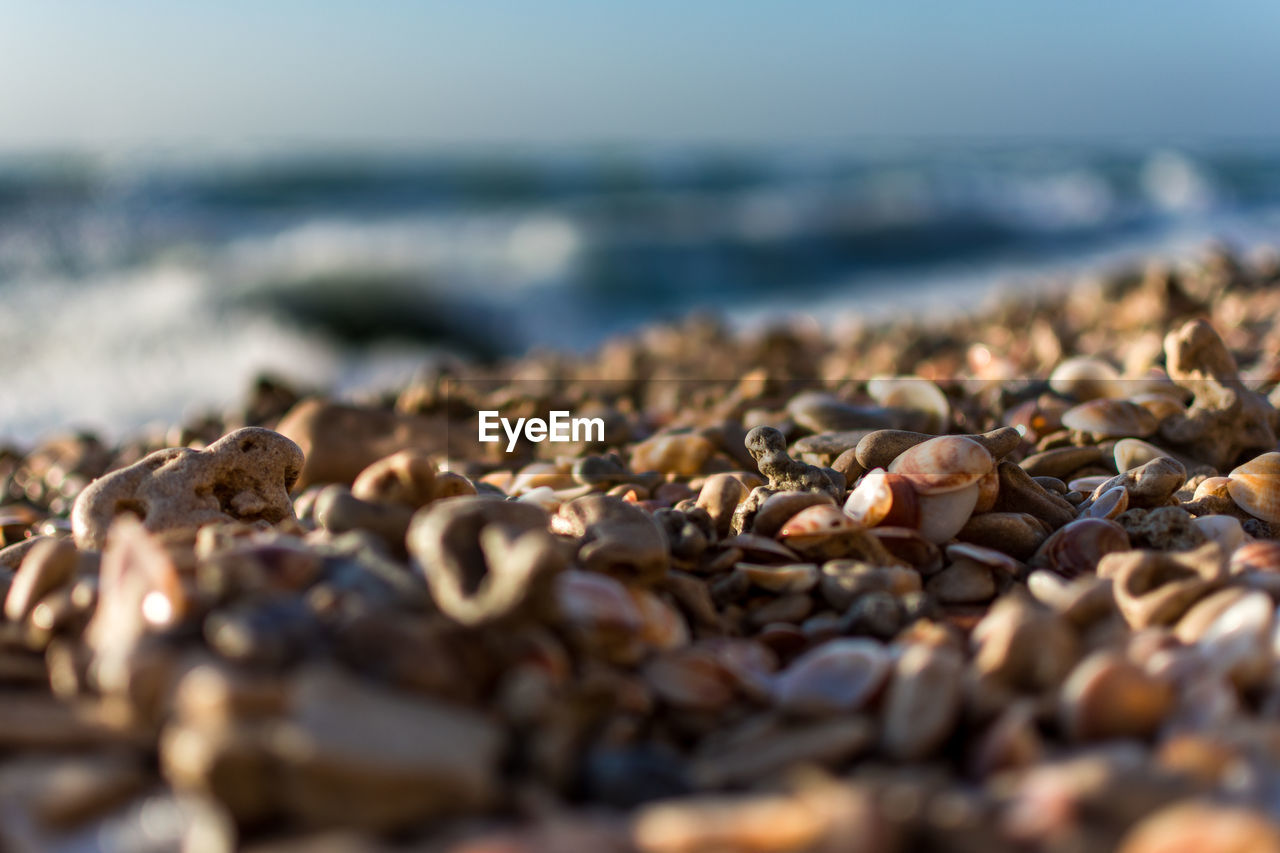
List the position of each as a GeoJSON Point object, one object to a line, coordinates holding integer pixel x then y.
{"type": "Point", "coordinates": [83, 73]}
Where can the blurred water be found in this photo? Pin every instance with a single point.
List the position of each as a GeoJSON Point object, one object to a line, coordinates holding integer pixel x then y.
{"type": "Point", "coordinates": [135, 287]}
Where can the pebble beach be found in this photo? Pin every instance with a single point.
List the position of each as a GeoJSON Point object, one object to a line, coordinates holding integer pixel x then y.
{"type": "Point", "coordinates": [1003, 581]}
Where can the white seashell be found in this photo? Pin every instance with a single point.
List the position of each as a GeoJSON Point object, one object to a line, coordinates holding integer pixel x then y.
{"type": "Point", "coordinates": [1223, 529]}
{"type": "Point", "coordinates": [915, 394]}
{"type": "Point", "coordinates": [543, 496]}
{"type": "Point", "coordinates": [943, 464]}
{"type": "Point", "coordinates": [942, 515]}
{"type": "Point", "coordinates": [1084, 378]}
{"type": "Point", "coordinates": [1132, 452]}
{"type": "Point", "coordinates": [1087, 484]}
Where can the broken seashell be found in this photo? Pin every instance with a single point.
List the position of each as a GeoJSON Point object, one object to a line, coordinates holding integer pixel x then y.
{"type": "Point", "coordinates": [1212, 487]}
{"type": "Point", "coordinates": [796, 577]}
{"type": "Point", "coordinates": [943, 515]}
{"type": "Point", "coordinates": [883, 498]}
{"type": "Point", "coordinates": [1109, 504]}
{"type": "Point", "coordinates": [989, 557]}
{"type": "Point", "coordinates": [1087, 484]}
{"type": "Point", "coordinates": [484, 559]}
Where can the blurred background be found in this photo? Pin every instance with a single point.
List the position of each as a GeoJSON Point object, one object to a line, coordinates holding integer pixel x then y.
{"type": "Point", "coordinates": [336, 191]}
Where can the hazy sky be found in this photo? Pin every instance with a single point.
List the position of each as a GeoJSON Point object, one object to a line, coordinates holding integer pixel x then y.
{"type": "Point", "coordinates": [86, 72]}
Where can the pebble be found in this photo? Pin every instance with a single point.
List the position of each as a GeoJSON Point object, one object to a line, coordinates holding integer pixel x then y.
{"type": "Point", "coordinates": [922, 704]}
{"type": "Point", "coordinates": [836, 678]}
{"type": "Point", "coordinates": [361, 756]}
{"type": "Point", "coordinates": [50, 564]}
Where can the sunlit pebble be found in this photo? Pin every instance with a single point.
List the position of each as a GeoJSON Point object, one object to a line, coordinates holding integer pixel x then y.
{"type": "Point", "coordinates": [979, 357]}
{"type": "Point", "coordinates": [157, 609]}
{"type": "Point", "coordinates": [42, 617]}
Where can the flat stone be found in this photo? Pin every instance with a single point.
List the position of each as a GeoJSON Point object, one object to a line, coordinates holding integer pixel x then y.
{"type": "Point", "coordinates": [355, 754]}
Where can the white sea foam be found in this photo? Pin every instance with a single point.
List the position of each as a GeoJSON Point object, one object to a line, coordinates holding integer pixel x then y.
{"type": "Point", "coordinates": [151, 346]}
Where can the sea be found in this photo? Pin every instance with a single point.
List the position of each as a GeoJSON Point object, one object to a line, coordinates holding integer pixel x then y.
{"type": "Point", "coordinates": [139, 287]}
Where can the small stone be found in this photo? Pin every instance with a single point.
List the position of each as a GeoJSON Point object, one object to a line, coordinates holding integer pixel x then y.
{"type": "Point", "coordinates": [1018, 534]}
{"type": "Point", "coordinates": [50, 564]}
{"type": "Point", "coordinates": [339, 441]}
{"type": "Point", "coordinates": [922, 704]}
{"type": "Point", "coordinates": [355, 754]}
{"type": "Point", "coordinates": [1108, 697]}
{"type": "Point", "coordinates": [774, 749]}
{"type": "Point", "coordinates": [615, 537]}
{"type": "Point", "coordinates": [1061, 462]}
{"type": "Point", "coordinates": [406, 478]}
{"type": "Point", "coordinates": [838, 677]}
{"type": "Point", "coordinates": [1205, 827]}
{"type": "Point", "coordinates": [679, 454]}
{"type": "Point", "coordinates": [965, 582]}
{"type": "Point", "coordinates": [1167, 528]}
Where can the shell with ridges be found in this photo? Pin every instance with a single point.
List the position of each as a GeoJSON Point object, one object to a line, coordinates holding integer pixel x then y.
{"type": "Point", "coordinates": [1109, 504]}
{"type": "Point", "coordinates": [944, 464]}
{"type": "Point", "coordinates": [1077, 548]}
{"type": "Point", "coordinates": [1255, 487]}
{"type": "Point", "coordinates": [1261, 556]}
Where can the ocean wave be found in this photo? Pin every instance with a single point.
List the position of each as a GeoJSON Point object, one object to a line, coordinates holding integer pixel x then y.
{"type": "Point", "coordinates": [135, 286]}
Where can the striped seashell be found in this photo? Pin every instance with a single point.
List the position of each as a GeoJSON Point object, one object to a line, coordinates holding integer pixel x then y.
{"type": "Point", "coordinates": [1255, 487]}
